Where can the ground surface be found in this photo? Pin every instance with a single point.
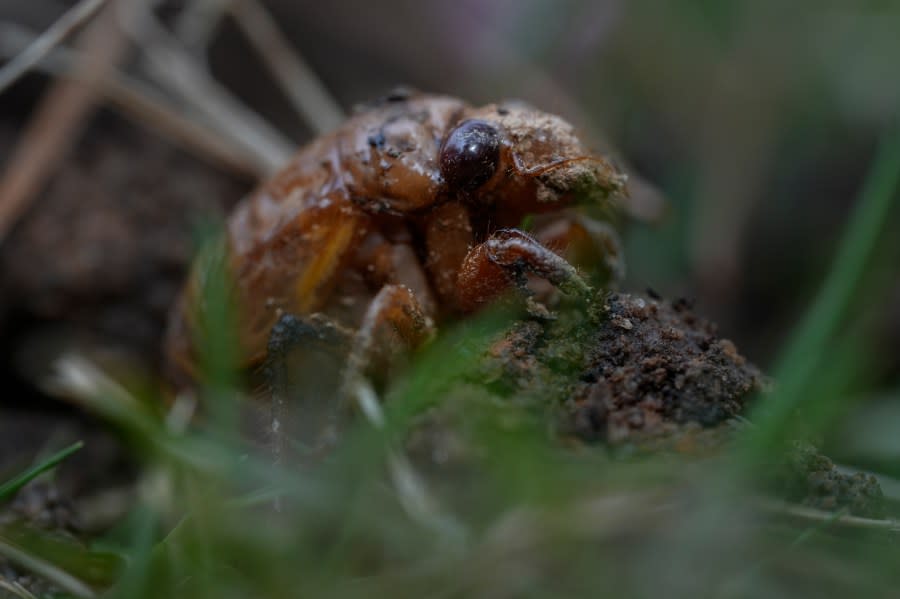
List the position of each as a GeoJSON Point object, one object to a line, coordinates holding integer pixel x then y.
{"type": "Point", "coordinates": [97, 261]}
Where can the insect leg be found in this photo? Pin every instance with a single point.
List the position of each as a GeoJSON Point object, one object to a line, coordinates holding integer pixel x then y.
{"type": "Point", "coordinates": [505, 258]}
{"type": "Point", "coordinates": [587, 243]}
{"type": "Point", "coordinates": [394, 321]}
{"type": "Point", "coordinates": [315, 337]}
{"type": "Point", "coordinates": [393, 315]}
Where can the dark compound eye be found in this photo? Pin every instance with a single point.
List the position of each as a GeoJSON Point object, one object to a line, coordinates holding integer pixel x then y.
{"type": "Point", "coordinates": [470, 155]}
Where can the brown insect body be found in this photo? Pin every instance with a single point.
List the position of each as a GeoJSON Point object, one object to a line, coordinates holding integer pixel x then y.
{"type": "Point", "coordinates": [417, 190]}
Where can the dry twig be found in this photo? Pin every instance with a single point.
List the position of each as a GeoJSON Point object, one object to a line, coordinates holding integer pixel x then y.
{"type": "Point", "coordinates": [58, 119]}
{"type": "Point", "coordinates": [175, 69]}
{"type": "Point", "coordinates": [15, 589]}
{"type": "Point", "coordinates": [814, 515]}
{"type": "Point", "coordinates": [51, 38]}
{"type": "Point", "coordinates": [303, 87]}
{"type": "Point", "coordinates": [143, 104]}
{"type": "Point", "coordinates": [197, 22]}
{"type": "Point", "coordinates": [45, 569]}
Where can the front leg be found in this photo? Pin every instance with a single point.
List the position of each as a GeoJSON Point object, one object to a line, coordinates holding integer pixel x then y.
{"type": "Point", "coordinates": [393, 323]}
{"type": "Point", "coordinates": [587, 243]}
{"type": "Point", "coordinates": [503, 260]}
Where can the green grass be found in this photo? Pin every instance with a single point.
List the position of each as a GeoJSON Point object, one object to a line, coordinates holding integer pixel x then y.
{"type": "Point", "coordinates": [816, 351]}
{"type": "Point", "coordinates": [60, 560]}
{"type": "Point", "coordinates": [12, 486]}
{"type": "Point", "coordinates": [517, 514]}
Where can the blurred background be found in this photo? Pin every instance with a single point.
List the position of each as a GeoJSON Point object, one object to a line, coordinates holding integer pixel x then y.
{"type": "Point", "coordinates": [757, 120]}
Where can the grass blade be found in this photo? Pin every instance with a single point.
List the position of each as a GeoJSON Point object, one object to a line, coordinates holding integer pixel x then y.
{"type": "Point", "coordinates": [805, 352]}
{"type": "Point", "coordinates": [12, 486]}
{"type": "Point", "coordinates": [45, 569]}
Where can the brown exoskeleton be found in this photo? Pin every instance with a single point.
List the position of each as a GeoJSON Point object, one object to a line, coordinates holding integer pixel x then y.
{"type": "Point", "coordinates": [405, 215]}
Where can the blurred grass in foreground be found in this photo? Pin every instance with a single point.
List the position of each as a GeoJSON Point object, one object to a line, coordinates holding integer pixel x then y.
{"type": "Point", "coordinates": [817, 352]}
{"type": "Point", "coordinates": [521, 516]}
{"type": "Point", "coordinates": [531, 518]}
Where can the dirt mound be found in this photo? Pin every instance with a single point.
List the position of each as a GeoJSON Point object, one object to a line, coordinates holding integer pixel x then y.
{"type": "Point", "coordinates": [647, 368]}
